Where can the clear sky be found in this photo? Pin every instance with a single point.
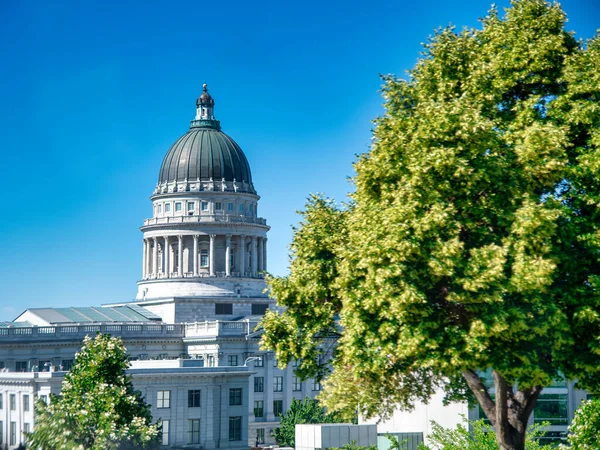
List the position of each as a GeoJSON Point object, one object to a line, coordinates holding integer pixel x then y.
{"type": "Point", "coordinates": [93, 93]}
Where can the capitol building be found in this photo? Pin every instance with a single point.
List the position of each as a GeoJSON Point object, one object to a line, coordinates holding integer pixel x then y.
{"type": "Point", "coordinates": [192, 330]}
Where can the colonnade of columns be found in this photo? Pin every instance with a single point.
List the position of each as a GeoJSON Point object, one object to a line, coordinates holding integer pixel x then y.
{"type": "Point", "coordinates": [164, 256]}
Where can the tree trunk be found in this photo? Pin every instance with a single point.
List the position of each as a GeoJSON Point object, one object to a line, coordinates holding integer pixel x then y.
{"type": "Point", "coordinates": [509, 412]}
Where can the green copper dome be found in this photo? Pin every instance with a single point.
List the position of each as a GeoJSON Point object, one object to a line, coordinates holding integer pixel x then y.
{"type": "Point", "coordinates": [205, 153]}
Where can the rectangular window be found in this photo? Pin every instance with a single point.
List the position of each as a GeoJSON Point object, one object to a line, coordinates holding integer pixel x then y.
{"type": "Point", "coordinates": [258, 408]}
{"type": "Point", "coordinates": [211, 361]}
{"type": "Point", "coordinates": [218, 206]}
{"type": "Point", "coordinates": [1, 432]}
{"type": "Point", "coordinates": [25, 402]}
{"type": "Point", "coordinates": [26, 429]}
{"type": "Point", "coordinates": [13, 402]}
{"type": "Point", "coordinates": [44, 398]}
{"type": "Point", "coordinates": [203, 258]}
{"type": "Point", "coordinates": [260, 435]}
{"type": "Point", "coordinates": [235, 428]}
{"type": "Point", "coordinates": [160, 209]}
{"type": "Point", "coordinates": [224, 308]}
{"type": "Point", "coordinates": [204, 206]}
{"type": "Point", "coordinates": [277, 407]}
{"type": "Point", "coordinates": [67, 364]}
{"type": "Point", "coordinates": [296, 384]}
{"type": "Point", "coordinates": [165, 432]}
{"type": "Point", "coordinates": [167, 207]}
{"type": "Point", "coordinates": [316, 386]}
{"type": "Point", "coordinates": [259, 310]}
{"type": "Point", "coordinates": [21, 366]}
{"type": "Point", "coordinates": [277, 384]}
{"type": "Point", "coordinates": [259, 384]}
{"type": "Point", "coordinates": [163, 399]}
{"type": "Point", "coordinates": [232, 360]}
{"type": "Point", "coordinates": [13, 433]}
{"type": "Point", "coordinates": [241, 208]}
{"type": "Point", "coordinates": [177, 206]}
{"type": "Point", "coordinates": [551, 408]}
{"type": "Point", "coordinates": [193, 431]}
{"type": "Point", "coordinates": [1, 402]}
{"type": "Point", "coordinates": [235, 396]}
{"type": "Point", "coordinates": [191, 206]}
{"type": "Point", "coordinates": [194, 398]}
{"type": "Point", "coordinates": [260, 362]}
{"type": "Point", "coordinates": [230, 206]}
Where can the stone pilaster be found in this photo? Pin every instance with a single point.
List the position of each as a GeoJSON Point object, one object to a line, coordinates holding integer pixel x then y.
{"type": "Point", "coordinates": [228, 255]}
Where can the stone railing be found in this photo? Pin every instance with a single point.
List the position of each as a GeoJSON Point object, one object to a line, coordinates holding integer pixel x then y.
{"type": "Point", "coordinates": [220, 328]}
{"type": "Point", "coordinates": [162, 276]}
{"type": "Point", "coordinates": [79, 331]}
{"type": "Point", "coordinates": [204, 218]}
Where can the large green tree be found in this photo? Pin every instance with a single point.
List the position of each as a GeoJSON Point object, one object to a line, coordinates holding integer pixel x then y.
{"type": "Point", "coordinates": [472, 239]}
{"type": "Point", "coordinates": [98, 409]}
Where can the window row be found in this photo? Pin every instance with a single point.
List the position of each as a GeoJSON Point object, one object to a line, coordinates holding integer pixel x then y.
{"type": "Point", "coordinates": [193, 430]}
{"type": "Point", "coordinates": [12, 398]}
{"type": "Point", "coordinates": [163, 399]}
{"type": "Point", "coordinates": [218, 207]}
{"type": "Point", "coordinates": [227, 308]}
{"type": "Point", "coordinates": [42, 365]}
{"type": "Point", "coordinates": [12, 433]}
{"type": "Point", "coordinates": [259, 384]}
{"type": "Point", "coordinates": [259, 410]}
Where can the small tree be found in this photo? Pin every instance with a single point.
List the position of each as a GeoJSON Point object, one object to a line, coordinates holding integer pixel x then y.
{"type": "Point", "coordinates": [306, 411]}
{"type": "Point", "coordinates": [585, 427]}
{"type": "Point", "coordinates": [480, 437]}
{"type": "Point", "coordinates": [98, 408]}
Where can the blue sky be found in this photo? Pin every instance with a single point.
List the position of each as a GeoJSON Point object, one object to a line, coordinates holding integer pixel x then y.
{"type": "Point", "coordinates": [94, 93]}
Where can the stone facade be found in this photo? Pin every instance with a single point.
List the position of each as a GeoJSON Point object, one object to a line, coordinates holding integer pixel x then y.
{"type": "Point", "coordinates": [195, 351]}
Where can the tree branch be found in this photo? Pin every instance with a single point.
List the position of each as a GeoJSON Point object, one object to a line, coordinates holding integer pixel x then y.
{"type": "Point", "coordinates": [482, 394]}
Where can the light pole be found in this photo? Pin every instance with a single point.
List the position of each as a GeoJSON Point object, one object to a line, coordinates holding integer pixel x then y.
{"type": "Point", "coordinates": [250, 358]}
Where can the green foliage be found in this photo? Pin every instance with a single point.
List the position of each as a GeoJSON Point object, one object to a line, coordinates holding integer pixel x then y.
{"type": "Point", "coordinates": [585, 427]}
{"type": "Point", "coordinates": [98, 408]}
{"type": "Point", "coordinates": [353, 446]}
{"type": "Point", "coordinates": [471, 243]}
{"type": "Point", "coordinates": [314, 258]}
{"type": "Point", "coordinates": [300, 412]}
{"type": "Point", "coordinates": [481, 437]}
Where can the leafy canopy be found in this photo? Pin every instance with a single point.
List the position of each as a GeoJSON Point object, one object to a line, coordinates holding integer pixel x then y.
{"type": "Point", "coordinates": [471, 242]}
{"type": "Point", "coordinates": [585, 427]}
{"type": "Point", "coordinates": [98, 408]}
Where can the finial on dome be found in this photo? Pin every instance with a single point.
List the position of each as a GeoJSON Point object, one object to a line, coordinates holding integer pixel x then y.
{"type": "Point", "coordinates": [205, 86]}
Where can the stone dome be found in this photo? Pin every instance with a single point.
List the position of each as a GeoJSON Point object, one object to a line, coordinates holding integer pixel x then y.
{"type": "Point", "coordinates": [206, 154]}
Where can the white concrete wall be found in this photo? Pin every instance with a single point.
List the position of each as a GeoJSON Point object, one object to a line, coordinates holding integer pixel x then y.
{"type": "Point", "coordinates": [322, 436]}
{"type": "Point", "coordinates": [419, 419]}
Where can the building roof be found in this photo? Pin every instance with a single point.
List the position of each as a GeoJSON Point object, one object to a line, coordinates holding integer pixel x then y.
{"type": "Point", "coordinates": [87, 314]}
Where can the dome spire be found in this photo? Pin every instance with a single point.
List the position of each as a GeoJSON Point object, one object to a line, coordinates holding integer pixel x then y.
{"type": "Point", "coordinates": [205, 111]}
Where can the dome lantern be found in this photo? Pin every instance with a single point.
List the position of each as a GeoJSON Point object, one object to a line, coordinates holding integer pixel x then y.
{"type": "Point", "coordinates": [205, 111]}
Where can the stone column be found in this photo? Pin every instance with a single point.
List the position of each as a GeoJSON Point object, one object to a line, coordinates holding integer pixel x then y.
{"type": "Point", "coordinates": [167, 254]}
{"type": "Point", "coordinates": [211, 255]}
{"type": "Point", "coordinates": [228, 255]}
{"type": "Point", "coordinates": [254, 256]}
{"type": "Point", "coordinates": [155, 259]}
{"type": "Point", "coordinates": [145, 259]}
{"type": "Point", "coordinates": [242, 255]}
{"type": "Point", "coordinates": [264, 254]}
{"type": "Point", "coordinates": [195, 255]}
{"type": "Point", "coordinates": [180, 257]}
{"type": "Point", "coordinates": [260, 254]}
